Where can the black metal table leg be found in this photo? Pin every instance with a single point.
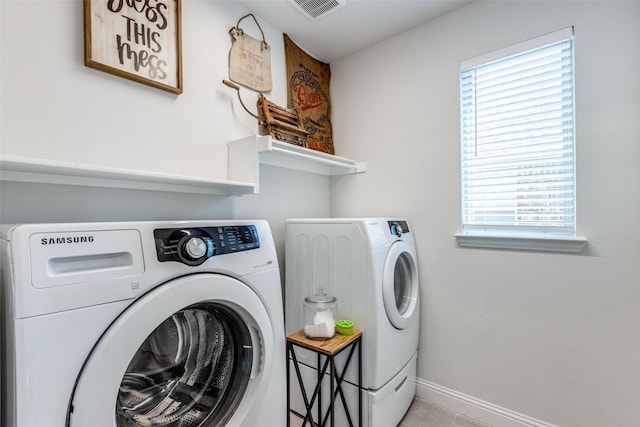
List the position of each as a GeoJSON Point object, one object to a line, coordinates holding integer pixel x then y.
{"type": "Point", "coordinates": [289, 347]}
{"type": "Point", "coordinates": [360, 382]}
{"type": "Point", "coordinates": [319, 386]}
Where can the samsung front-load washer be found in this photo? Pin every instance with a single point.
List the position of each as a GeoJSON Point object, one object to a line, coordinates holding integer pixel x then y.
{"type": "Point", "coordinates": [142, 324]}
{"type": "Point", "coordinates": [370, 265]}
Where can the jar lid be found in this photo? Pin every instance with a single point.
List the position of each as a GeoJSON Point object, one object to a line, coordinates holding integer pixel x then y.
{"type": "Point", "coordinates": [320, 297]}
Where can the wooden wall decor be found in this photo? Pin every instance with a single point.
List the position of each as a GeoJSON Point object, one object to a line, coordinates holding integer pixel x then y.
{"type": "Point", "coordinates": [137, 40]}
{"type": "Point", "coordinates": [283, 124]}
{"type": "Point", "coordinates": [308, 92]}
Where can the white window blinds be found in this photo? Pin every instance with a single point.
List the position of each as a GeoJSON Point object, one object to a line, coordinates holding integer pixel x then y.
{"type": "Point", "coordinates": [517, 139]}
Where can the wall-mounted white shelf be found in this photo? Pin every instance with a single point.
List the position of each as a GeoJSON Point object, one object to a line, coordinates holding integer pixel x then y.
{"type": "Point", "coordinates": [246, 155]}
{"type": "Point", "coordinates": [25, 169]}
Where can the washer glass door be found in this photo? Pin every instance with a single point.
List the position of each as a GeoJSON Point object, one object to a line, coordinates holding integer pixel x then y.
{"type": "Point", "coordinates": [196, 351]}
{"type": "Point", "coordinates": [193, 368]}
{"type": "Point", "coordinates": [400, 285]}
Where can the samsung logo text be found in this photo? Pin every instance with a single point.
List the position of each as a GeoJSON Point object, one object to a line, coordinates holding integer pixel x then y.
{"type": "Point", "coordinates": [65, 240]}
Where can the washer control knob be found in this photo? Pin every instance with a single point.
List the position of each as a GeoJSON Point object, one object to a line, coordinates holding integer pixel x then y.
{"type": "Point", "coordinates": [195, 248]}
{"type": "Point", "coordinates": [396, 229]}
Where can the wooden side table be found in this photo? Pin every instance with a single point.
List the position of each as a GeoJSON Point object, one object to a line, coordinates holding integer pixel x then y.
{"type": "Point", "coordinates": [327, 349]}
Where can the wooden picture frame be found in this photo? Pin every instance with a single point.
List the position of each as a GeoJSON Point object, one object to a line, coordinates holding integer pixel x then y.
{"type": "Point", "coordinates": [137, 40]}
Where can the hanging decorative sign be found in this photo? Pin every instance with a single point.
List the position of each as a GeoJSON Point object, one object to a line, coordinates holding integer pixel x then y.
{"type": "Point", "coordinates": [249, 59]}
{"type": "Point", "coordinates": [308, 92]}
{"type": "Point", "coordinates": [137, 40]}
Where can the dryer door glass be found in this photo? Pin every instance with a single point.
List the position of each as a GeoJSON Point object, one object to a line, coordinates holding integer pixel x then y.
{"type": "Point", "coordinates": [191, 371]}
{"type": "Point", "coordinates": [402, 282]}
{"type": "Point", "coordinates": [400, 285]}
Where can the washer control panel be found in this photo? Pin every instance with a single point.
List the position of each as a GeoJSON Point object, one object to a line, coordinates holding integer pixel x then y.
{"type": "Point", "coordinates": [193, 246]}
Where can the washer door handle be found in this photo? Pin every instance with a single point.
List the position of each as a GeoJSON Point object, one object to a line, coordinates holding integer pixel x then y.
{"type": "Point", "coordinates": [258, 360]}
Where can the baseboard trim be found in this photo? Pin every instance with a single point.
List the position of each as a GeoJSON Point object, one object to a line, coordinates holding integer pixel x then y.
{"type": "Point", "coordinates": [472, 407]}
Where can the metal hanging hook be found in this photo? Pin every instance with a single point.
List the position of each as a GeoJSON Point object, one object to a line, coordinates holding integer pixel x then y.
{"type": "Point", "coordinates": [237, 88]}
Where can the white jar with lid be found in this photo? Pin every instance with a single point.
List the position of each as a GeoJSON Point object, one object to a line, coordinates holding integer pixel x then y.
{"type": "Point", "coordinates": [320, 315]}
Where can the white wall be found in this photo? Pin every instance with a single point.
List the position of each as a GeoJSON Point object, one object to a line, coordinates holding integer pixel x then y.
{"type": "Point", "coordinates": [56, 108]}
{"type": "Point", "coordinates": [547, 337]}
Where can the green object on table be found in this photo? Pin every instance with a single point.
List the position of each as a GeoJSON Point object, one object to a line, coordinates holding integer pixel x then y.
{"type": "Point", "coordinates": [344, 327]}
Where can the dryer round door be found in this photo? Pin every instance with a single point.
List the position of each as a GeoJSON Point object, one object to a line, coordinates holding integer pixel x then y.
{"type": "Point", "coordinates": [196, 351]}
{"type": "Point", "coordinates": [400, 285]}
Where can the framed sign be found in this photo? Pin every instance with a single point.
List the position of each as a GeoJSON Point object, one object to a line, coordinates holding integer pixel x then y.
{"type": "Point", "coordinates": [139, 40]}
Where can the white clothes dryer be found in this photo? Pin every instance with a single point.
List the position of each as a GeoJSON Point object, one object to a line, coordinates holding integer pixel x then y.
{"type": "Point", "coordinates": [370, 265]}
{"type": "Point", "coordinates": [174, 323]}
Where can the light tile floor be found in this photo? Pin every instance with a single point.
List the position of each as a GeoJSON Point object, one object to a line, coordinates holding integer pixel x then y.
{"type": "Point", "coordinates": [424, 414]}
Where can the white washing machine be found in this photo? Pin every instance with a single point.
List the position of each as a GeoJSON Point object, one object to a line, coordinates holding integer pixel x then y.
{"type": "Point", "coordinates": [370, 265]}
{"type": "Point", "coordinates": [142, 323]}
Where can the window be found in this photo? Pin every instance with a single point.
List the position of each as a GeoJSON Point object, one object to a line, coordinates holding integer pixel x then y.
{"type": "Point", "coordinates": [517, 141]}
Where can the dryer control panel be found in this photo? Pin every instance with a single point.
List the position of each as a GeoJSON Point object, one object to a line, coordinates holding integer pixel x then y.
{"type": "Point", "coordinates": [193, 246]}
{"type": "Point", "coordinates": [398, 228]}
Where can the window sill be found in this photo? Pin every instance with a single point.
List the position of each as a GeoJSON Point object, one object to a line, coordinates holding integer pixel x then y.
{"type": "Point", "coordinates": [545, 244]}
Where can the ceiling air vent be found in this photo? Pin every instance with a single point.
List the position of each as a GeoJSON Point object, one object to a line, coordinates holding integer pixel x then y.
{"type": "Point", "coordinates": [315, 9]}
